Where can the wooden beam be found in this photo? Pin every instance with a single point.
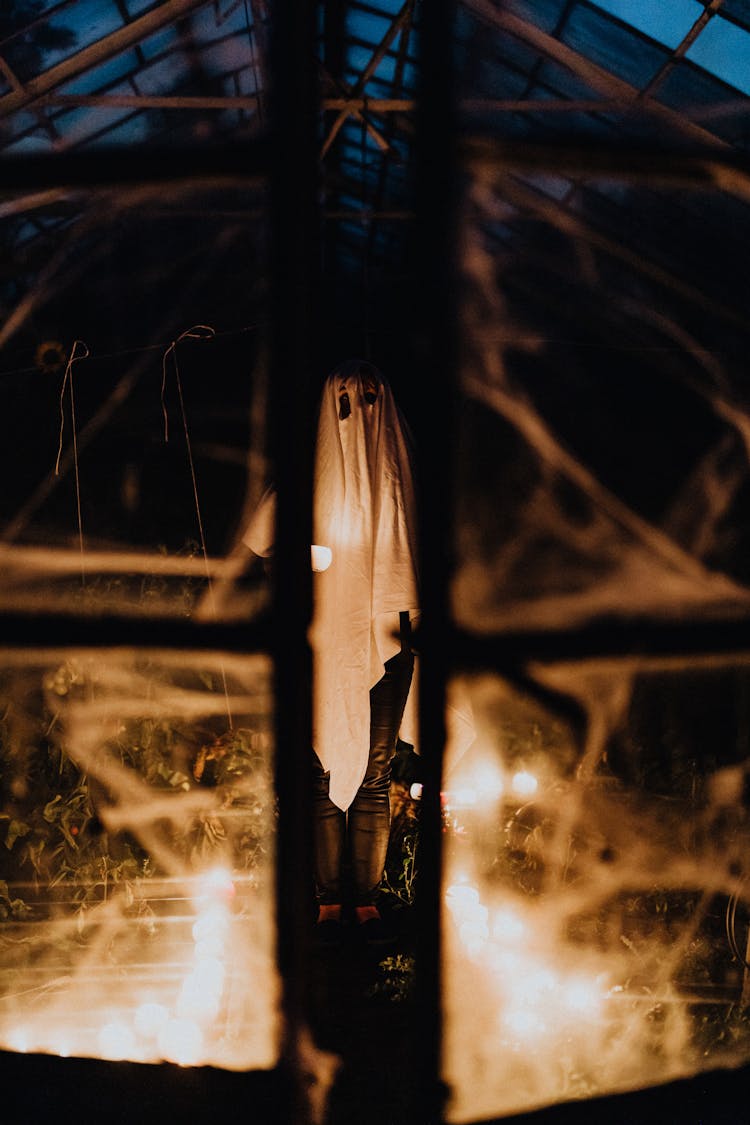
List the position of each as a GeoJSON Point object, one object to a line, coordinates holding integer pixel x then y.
{"type": "Point", "coordinates": [682, 48]}
{"type": "Point", "coordinates": [126, 37]}
{"type": "Point", "coordinates": [151, 101]}
{"type": "Point", "coordinates": [396, 25]}
{"type": "Point", "coordinates": [351, 104]}
{"type": "Point", "coordinates": [697, 167]}
{"type": "Point", "coordinates": [376, 135]}
{"type": "Point", "coordinates": [607, 84]}
{"type": "Point", "coordinates": [526, 198]}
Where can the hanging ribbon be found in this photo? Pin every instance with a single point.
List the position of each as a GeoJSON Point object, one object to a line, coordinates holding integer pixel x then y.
{"type": "Point", "coordinates": [68, 382]}
{"type": "Point", "coordinates": [197, 332]}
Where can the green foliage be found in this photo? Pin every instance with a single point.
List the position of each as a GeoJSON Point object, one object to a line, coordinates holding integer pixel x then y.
{"type": "Point", "coordinates": [10, 907]}
{"type": "Point", "coordinates": [399, 881]}
{"type": "Point", "coordinates": [54, 845]}
{"type": "Point", "coordinates": [51, 837]}
{"type": "Point", "coordinates": [396, 978]}
{"type": "Point", "coordinates": [142, 593]}
{"type": "Point", "coordinates": [236, 763]}
{"type": "Point", "coordinates": [402, 883]}
{"type": "Point", "coordinates": [52, 832]}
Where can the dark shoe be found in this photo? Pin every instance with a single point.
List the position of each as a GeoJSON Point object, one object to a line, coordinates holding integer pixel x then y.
{"type": "Point", "coordinates": [374, 932]}
{"type": "Point", "coordinates": [328, 934]}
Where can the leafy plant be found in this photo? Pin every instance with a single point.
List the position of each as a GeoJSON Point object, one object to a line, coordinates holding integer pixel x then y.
{"type": "Point", "coordinates": [404, 886]}
{"type": "Point", "coordinates": [396, 981]}
{"type": "Point", "coordinates": [53, 844]}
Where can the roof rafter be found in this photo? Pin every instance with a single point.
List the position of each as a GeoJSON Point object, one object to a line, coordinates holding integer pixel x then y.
{"type": "Point", "coordinates": [524, 197]}
{"type": "Point", "coordinates": [609, 85]}
{"type": "Point", "coordinates": [96, 53]}
{"type": "Point", "coordinates": [682, 48]}
{"type": "Point", "coordinates": [398, 22]}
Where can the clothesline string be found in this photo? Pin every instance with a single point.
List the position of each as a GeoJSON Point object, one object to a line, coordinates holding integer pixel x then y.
{"type": "Point", "coordinates": [201, 332]}
{"type": "Point", "coordinates": [114, 399]}
{"type": "Point", "coordinates": [68, 382]}
{"type": "Point", "coordinates": [136, 349]}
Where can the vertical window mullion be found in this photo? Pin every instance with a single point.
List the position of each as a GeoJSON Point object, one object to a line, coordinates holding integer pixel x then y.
{"type": "Point", "coordinates": [435, 344]}
{"type": "Point", "coordinates": [293, 263]}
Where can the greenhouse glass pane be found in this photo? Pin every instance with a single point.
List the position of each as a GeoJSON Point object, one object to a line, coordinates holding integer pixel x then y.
{"type": "Point", "coordinates": [544, 13]}
{"type": "Point", "coordinates": [78, 27]}
{"type": "Point", "coordinates": [592, 918]}
{"type": "Point", "coordinates": [137, 891]}
{"type": "Point", "coordinates": [667, 23]}
{"type": "Point", "coordinates": [595, 895]}
{"type": "Point", "coordinates": [739, 10]}
{"type": "Point", "coordinates": [724, 49]}
{"type": "Point", "coordinates": [611, 46]}
{"type": "Point", "coordinates": [367, 26]}
{"type": "Point", "coordinates": [99, 77]}
{"type": "Point", "coordinates": [132, 464]}
{"type": "Point", "coordinates": [708, 101]}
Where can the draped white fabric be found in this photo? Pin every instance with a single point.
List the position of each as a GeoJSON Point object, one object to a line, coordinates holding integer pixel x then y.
{"type": "Point", "coordinates": [364, 510]}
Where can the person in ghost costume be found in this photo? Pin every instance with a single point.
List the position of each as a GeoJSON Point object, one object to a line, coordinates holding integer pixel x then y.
{"type": "Point", "coordinates": [365, 605]}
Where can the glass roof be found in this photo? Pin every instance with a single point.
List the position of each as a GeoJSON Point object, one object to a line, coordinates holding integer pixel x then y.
{"type": "Point", "coordinates": [80, 75]}
{"type": "Point", "coordinates": [667, 23]}
{"type": "Point", "coordinates": [85, 48]}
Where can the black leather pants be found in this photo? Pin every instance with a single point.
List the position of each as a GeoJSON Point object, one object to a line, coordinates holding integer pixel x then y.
{"type": "Point", "coordinates": [357, 840]}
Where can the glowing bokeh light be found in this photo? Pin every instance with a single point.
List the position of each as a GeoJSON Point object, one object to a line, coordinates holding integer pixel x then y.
{"type": "Point", "coordinates": [19, 1040]}
{"type": "Point", "coordinates": [461, 896]}
{"type": "Point", "coordinates": [582, 996]}
{"type": "Point", "coordinates": [126, 943]}
{"type": "Point", "coordinates": [217, 883]}
{"type": "Point", "coordinates": [523, 1022]}
{"type": "Point", "coordinates": [116, 1041]}
{"type": "Point", "coordinates": [524, 784]}
{"type": "Point", "coordinates": [213, 924]}
{"type": "Point", "coordinates": [536, 984]}
{"type": "Point", "coordinates": [477, 784]}
{"type": "Point", "coordinates": [209, 974]}
{"type": "Point", "coordinates": [209, 948]}
{"type": "Point", "coordinates": [181, 1042]}
{"type": "Point", "coordinates": [150, 1018]}
{"type": "Point", "coordinates": [464, 798]}
{"type": "Point", "coordinates": [507, 925]}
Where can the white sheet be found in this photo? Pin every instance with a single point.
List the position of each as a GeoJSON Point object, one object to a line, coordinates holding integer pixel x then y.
{"type": "Point", "coordinates": [364, 509]}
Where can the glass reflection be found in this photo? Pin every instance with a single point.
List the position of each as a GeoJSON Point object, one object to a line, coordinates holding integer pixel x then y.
{"type": "Point", "coordinates": [137, 892]}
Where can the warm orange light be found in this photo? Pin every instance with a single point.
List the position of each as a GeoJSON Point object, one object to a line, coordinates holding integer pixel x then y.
{"type": "Point", "coordinates": [212, 924]}
{"type": "Point", "coordinates": [150, 1018]}
{"type": "Point", "coordinates": [217, 883]}
{"type": "Point", "coordinates": [181, 1041]}
{"type": "Point", "coordinates": [479, 784]}
{"type": "Point", "coordinates": [507, 926]}
{"type": "Point", "coordinates": [116, 1041]}
{"type": "Point", "coordinates": [524, 784]}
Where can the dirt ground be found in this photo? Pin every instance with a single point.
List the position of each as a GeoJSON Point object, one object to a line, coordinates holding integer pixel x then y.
{"type": "Point", "coordinates": [364, 1013]}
